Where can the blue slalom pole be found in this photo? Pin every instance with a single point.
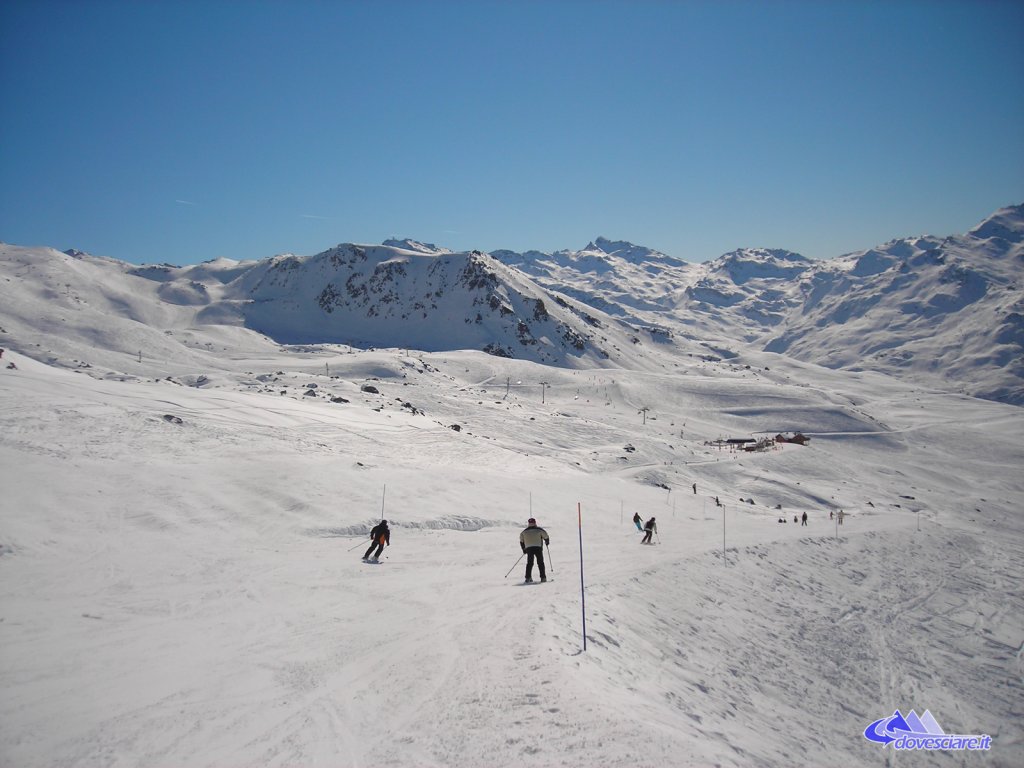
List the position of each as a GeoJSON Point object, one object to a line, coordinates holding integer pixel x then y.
{"type": "Point", "coordinates": [583, 598]}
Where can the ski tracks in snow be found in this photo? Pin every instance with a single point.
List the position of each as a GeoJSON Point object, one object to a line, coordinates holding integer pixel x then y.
{"type": "Point", "coordinates": [806, 642]}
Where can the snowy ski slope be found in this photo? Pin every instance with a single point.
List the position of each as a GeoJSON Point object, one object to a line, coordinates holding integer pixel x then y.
{"type": "Point", "coordinates": [191, 594]}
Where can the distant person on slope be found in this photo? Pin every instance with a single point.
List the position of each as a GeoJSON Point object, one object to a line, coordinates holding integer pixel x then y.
{"type": "Point", "coordinates": [803, 519]}
{"type": "Point", "coordinates": [638, 522]}
{"type": "Point", "coordinates": [650, 528]}
{"type": "Point", "coordinates": [379, 536]}
{"type": "Point", "coordinates": [532, 541]}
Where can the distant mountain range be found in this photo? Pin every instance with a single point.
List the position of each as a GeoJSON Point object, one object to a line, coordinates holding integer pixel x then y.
{"type": "Point", "coordinates": [945, 312]}
{"type": "Point", "coordinates": [948, 312]}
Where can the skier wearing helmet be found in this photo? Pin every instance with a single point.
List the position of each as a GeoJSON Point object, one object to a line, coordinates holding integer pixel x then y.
{"type": "Point", "coordinates": [532, 541]}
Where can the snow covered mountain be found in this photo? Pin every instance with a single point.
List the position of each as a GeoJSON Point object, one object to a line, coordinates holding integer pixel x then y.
{"type": "Point", "coordinates": [945, 312]}
{"type": "Point", "coordinates": [413, 297]}
{"type": "Point", "coordinates": [622, 279]}
{"type": "Point", "coordinates": [420, 299]}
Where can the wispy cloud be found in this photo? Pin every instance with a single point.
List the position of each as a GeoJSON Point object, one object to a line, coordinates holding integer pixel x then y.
{"type": "Point", "coordinates": [185, 202]}
{"type": "Point", "coordinates": [311, 216]}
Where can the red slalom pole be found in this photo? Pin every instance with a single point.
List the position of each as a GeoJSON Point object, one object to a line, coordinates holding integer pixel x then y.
{"type": "Point", "coordinates": [583, 598]}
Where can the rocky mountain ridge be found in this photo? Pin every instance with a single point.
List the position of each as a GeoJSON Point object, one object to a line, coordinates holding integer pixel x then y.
{"type": "Point", "coordinates": [945, 312]}
{"type": "Point", "coordinates": [354, 295]}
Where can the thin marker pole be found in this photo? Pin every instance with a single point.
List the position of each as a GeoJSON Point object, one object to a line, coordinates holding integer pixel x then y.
{"type": "Point", "coordinates": [724, 562]}
{"type": "Point", "coordinates": [382, 495]}
{"type": "Point", "coordinates": [583, 598]}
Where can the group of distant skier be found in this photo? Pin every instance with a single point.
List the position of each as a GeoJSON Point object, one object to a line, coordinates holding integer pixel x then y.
{"type": "Point", "coordinates": [532, 541]}
{"type": "Point", "coordinates": [648, 529]}
{"type": "Point", "coordinates": [802, 519]}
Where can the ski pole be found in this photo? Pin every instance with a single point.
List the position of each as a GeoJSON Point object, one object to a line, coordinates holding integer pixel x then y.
{"type": "Point", "coordinates": [550, 564]}
{"type": "Point", "coordinates": [356, 546]}
{"type": "Point", "coordinates": [515, 564]}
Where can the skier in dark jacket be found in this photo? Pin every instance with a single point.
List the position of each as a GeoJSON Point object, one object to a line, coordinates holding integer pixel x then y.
{"type": "Point", "coordinates": [638, 522]}
{"type": "Point", "coordinates": [532, 541]}
{"type": "Point", "coordinates": [379, 536]}
{"type": "Point", "coordinates": [651, 528]}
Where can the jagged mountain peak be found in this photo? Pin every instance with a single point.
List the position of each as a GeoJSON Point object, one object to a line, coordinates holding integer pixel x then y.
{"type": "Point", "coordinates": [391, 295]}
{"type": "Point", "coordinates": [745, 264]}
{"type": "Point", "coordinates": [763, 255]}
{"type": "Point", "coordinates": [608, 246]}
{"type": "Point", "coordinates": [623, 249]}
{"type": "Point", "coordinates": [1006, 223]}
{"type": "Point", "coordinates": [767, 258]}
{"type": "Point", "coordinates": [408, 244]}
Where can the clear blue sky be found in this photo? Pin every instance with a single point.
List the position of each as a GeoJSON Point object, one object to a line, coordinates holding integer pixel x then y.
{"type": "Point", "coordinates": [184, 131]}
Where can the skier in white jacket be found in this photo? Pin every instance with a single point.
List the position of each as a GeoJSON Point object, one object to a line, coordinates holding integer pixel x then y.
{"type": "Point", "coordinates": [532, 541]}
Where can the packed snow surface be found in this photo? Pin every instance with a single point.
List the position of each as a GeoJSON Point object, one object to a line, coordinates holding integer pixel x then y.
{"type": "Point", "coordinates": [181, 582]}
